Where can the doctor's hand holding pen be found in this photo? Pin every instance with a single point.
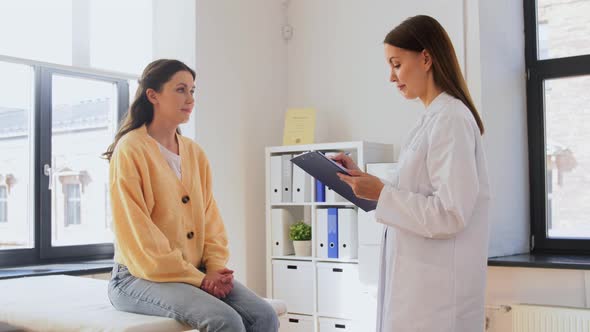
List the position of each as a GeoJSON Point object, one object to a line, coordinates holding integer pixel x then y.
{"type": "Point", "coordinates": [345, 160]}
{"type": "Point", "coordinates": [363, 185]}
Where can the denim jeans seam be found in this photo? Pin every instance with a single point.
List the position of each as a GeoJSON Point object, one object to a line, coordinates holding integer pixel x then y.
{"type": "Point", "coordinates": [244, 313]}
{"type": "Point", "coordinates": [139, 298]}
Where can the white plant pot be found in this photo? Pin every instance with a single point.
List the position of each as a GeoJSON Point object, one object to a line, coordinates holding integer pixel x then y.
{"type": "Point", "coordinates": [302, 248]}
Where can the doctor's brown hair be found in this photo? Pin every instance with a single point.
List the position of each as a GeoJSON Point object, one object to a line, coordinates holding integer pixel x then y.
{"type": "Point", "coordinates": [141, 111]}
{"type": "Point", "coordinates": [423, 32]}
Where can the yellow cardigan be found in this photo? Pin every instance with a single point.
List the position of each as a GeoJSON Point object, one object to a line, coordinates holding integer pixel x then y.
{"type": "Point", "coordinates": [165, 228]}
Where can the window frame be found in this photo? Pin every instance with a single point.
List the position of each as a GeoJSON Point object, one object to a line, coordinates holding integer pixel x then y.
{"type": "Point", "coordinates": [42, 251]}
{"type": "Point", "coordinates": [537, 71]}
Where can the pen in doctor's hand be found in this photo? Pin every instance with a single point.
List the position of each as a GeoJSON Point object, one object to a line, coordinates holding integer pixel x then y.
{"type": "Point", "coordinates": [344, 160]}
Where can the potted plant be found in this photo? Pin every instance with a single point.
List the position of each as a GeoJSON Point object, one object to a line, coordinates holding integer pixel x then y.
{"type": "Point", "coordinates": [300, 234]}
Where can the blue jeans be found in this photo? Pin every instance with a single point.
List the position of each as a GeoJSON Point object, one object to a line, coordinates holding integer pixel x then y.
{"type": "Point", "coordinates": [241, 310]}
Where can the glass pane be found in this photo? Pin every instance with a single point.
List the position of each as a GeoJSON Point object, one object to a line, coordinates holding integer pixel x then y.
{"type": "Point", "coordinates": [83, 125]}
{"type": "Point", "coordinates": [16, 161]}
{"type": "Point", "coordinates": [125, 26]}
{"type": "Point", "coordinates": [133, 85]}
{"type": "Point", "coordinates": [3, 204]}
{"type": "Point", "coordinates": [37, 30]}
{"type": "Point", "coordinates": [563, 28]}
{"type": "Point", "coordinates": [72, 204]}
{"type": "Point", "coordinates": [567, 114]}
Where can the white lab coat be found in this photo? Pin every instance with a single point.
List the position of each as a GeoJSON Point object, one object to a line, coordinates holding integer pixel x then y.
{"type": "Point", "coordinates": [435, 239]}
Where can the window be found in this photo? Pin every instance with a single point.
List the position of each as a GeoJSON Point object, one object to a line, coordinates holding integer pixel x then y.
{"type": "Point", "coordinates": [72, 206]}
{"type": "Point", "coordinates": [3, 204]}
{"type": "Point", "coordinates": [558, 111]}
{"type": "Point", "coordinates": [52, 190]}
{"type": "Point", "coordinates": [84, 118]}
{"type": "Point", "coordinates": [62, 93]}
{"type": "Point", "coordinates": [79, 117]}
{"type": "Point", "coordinates": [17, 143]}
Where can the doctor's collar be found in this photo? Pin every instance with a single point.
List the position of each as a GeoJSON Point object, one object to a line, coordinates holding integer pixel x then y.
{"type": "Point", "coordinates": [439, 103]}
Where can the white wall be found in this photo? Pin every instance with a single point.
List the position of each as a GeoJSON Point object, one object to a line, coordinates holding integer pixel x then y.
{"type": "Point", "coordinates": [472, 51]}
{"type": "Point", "coordinates": [509, 285]}
{"type": "Point", "coordinates": [241, 86]}
{"type": "Point", "coordinates": [174, 35]}
{"type": "Point", "coordinates": [336, 65]}
{"type": "Point", "coordinates": [504, 110]}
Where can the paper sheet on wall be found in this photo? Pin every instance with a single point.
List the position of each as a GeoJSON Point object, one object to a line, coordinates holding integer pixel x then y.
{"type": "Point", "coordinates": [299, 126]}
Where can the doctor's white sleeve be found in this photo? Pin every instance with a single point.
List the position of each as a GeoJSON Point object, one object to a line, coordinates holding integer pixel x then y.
{"type": "Point", "coordinates": [452, 168]}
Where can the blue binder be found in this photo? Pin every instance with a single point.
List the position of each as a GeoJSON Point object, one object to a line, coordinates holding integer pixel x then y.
{"type": "Point", "coordinates": [332, 233]}
{"type": "Point", "coordinates": [320, 191]}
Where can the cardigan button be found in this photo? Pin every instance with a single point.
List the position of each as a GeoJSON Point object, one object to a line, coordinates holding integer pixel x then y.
{"type": "Point", "coordinates": [190, 235]}
{"type": "Point", "coordinates": [185, 199]}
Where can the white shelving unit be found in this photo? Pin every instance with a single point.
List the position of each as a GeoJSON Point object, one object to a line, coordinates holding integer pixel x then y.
{"type": "Point", "coordinates": [307, 282]}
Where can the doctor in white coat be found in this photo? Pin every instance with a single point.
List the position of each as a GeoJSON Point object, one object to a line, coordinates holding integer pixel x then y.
{"type": "Point", "coordinates": [435, 208]}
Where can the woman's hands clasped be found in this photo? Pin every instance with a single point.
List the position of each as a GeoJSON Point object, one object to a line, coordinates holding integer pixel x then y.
{"type": "Point", "coordinates": [363, 185]}
{"type": "Point", "coordinates": [218, 283]}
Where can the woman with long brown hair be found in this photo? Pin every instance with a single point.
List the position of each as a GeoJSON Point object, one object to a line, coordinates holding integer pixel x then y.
{"type": "Point", "coordinates": [171, 248]}
{"type": "Point", "coordinates": [435, 207]}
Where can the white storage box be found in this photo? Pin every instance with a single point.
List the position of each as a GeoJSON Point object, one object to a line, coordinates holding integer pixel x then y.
{"type": "Point", "coordinates": [296, 323]}
{"type": "Point", "coordinates": [293, 283]}
{"type": "Point", "coordinates": [338, 289]}
{"type": "Point", "coordinates": [335, 325]}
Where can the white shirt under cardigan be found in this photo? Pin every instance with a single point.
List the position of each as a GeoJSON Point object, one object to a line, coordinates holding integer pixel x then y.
{"type": "Point", "coordinates": [172, 159]}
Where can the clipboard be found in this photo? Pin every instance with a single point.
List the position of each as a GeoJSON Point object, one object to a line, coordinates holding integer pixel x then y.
{"type": "Point", "coordinates": [325, 169]}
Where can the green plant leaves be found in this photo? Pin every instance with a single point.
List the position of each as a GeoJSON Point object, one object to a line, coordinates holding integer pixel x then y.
{"type": "Point", "coordinates": [300, 231]}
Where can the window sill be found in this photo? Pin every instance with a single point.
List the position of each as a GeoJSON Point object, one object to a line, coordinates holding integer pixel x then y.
{"type": "Point", "coordinates": [70, 268]}
{"type": "Point", "coordinates": [542, 261]}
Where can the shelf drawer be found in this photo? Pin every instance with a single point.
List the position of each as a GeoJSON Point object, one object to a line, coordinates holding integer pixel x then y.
{"type": "Point", "coordinates": [296, 323]}
{"type": "Point", "coordinates": [339, 289]}
{"type": "Point", "coordinates": [293, 283]}
{"type": "Point", "coordinates": [335, 325]}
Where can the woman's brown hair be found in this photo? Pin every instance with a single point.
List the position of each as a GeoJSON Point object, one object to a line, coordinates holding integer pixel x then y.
{"type": "Point", "coordinates": [141, 111]}
{"type": "Point", "coordinates": [423, 32]}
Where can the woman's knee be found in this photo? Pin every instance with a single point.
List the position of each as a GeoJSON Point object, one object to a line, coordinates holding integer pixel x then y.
{"type": "Point", "coordinates": [219, 320]}
{"type": "Point", "coordinates": [267, 320]}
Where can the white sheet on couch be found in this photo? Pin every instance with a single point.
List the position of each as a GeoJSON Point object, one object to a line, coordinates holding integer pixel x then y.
{"type": "Point", "coordinates": [65, 303]}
